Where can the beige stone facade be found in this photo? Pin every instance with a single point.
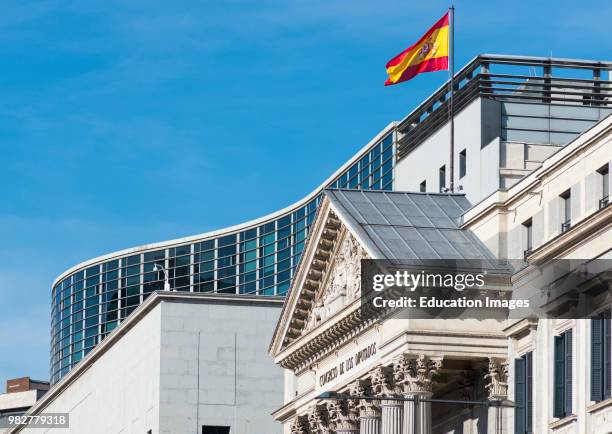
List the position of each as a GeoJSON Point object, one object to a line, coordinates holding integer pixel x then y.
{"type": "Point", "coordinates": [326, 343]}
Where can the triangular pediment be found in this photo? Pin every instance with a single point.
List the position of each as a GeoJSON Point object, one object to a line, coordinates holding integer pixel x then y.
{"type": "Point", "coordinates": [327, 282]}
{"type": "Point", "coordinates": [341, 284]}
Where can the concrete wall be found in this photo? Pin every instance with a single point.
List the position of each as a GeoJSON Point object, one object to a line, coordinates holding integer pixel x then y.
{"type": "Point", "coordinates": [184, 363]}
{"type": "Point", "coordinates": [476, 132]}
{"type": "Point", "coordinates": [504, 142]}
{"type": "Point", "coordinates": [215, 369]}
{"type": "Point", "coordinates": [119, 393]}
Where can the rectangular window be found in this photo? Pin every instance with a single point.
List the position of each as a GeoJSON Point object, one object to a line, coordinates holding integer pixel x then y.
{"type": "Point", "coordinates": [209, 429]}
{"type": "Point", "coordinates": [462, 163]}
{"type": "Point", "coordinates": [563, 375]}
{"type": "Point", "coordinates": [423, 187]}
{"type": "Point", "coordinates": [605, 186]}
{"type": "Point", "coordinates": [601, 353]}
{"type": "Point", "coordinates": [523, 391]}
{"type": "Point", "coordinates": [442, 179]}
{"type": "Point", "coordinates": [566, 211]}
{"type": "Point", "coordinates": [528, 231]}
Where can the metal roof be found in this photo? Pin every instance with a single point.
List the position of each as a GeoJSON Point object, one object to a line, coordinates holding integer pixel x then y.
{"type": "Point", "coordinates": [413, 226]}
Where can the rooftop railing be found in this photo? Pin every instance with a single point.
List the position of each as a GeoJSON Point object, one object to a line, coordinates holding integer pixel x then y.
{"type": "Point", "coordinates": [578, 82]}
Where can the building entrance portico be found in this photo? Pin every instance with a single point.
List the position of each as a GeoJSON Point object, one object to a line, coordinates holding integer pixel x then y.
{"type": "Point", "coordinates": [393, 376]}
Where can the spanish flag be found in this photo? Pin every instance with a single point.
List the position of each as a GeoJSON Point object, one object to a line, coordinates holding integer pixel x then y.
{"type": "Point", "coordinates": [430, 53]}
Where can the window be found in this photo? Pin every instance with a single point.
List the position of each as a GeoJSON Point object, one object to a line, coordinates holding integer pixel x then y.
{"type": "Point", "coordinates": [423, 187]}
{"type": "Point", "coordinates": [523, 391]}
{"type": "Point", "coordinates": [528, 231]}
{"type": "Point", "coordinates": [208, 429]}
{"type": "Point", "coordinates": [566, 211]}
{"type": "Point", "coordinates": [605, 186]}
{"type": "Point", "coordinates": [462, 163]}
{"type": "Point", "coordinates": [601, 352]}
{"type": "Point", "coordinates": [442, 179]}
{"type": "Point", "coordinates": [563, 375]}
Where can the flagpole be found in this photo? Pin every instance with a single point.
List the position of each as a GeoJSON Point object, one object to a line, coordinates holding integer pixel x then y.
{"type": "Point", "coordinates": [451, 113]}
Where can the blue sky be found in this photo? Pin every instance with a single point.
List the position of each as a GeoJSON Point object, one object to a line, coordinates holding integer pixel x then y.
{"type": "Point", "coordinates": [127, 122]}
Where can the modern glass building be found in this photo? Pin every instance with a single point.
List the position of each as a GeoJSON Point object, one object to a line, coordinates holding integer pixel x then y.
{"type": "Point", "coordinates": [257, 257]}
{"type": "Point", "coordinates": [523, 107]}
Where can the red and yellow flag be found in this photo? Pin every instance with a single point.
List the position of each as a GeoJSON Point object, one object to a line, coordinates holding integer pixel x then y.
{"type": "Point", "coordinates": [430, 53]}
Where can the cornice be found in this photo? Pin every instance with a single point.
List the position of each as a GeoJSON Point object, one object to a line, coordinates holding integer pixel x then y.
{"type": "Point", "coordinates": [581, 232]}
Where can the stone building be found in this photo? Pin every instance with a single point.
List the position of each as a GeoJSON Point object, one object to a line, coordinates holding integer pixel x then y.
{"type": "Point", "coordinates": [511, 376]}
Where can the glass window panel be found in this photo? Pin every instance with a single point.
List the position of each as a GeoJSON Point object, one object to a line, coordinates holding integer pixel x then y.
{"type": "Point", "coordinates": [158, 255]}
{"type": "Point", "coordinates": [183, 250]}
{"type": "Point", "coordinates": [133, 280]}
{"type": "Point", "coordinates": [93, 281]}
{"type": "Point", "coordinates": [300, 213]}
{"type": "Point", "coordinates": [92, 271]}
{"type": "Point", "coordinates": [111, 265]}
{"type": "Point", "coordinates": [284, 254]}
{"type": "Point", "coordinates": [284, 221]}
{"type": "Point", "coordinates": [267, 228]}
{"type": "Point", "coordinates": [226, 251]}
{"type": "Point", "coordinates": [227, 240]}
{"type": "Point", "coordinates": [132, 260]}
{"type": "Point", "coordinates": [111, 275]}
{"type": "Point", "coordinates": [132, 290]}
{"type": "Point", "coordinates": [283, 288]}
{"type": "Point", "coordinates": [183, 260]}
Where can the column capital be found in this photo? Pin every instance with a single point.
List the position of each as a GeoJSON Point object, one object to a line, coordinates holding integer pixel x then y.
{"type": "Point", "coordinates": [342, 416]}
{"type": "Point", "coordinates": [299, 425]}
{"type": "Point", "coordinates": [496, 378]}
{"type": "Point", "coordinates": [414, 374]}
{"type": "Point", "coordinates": [318, 422]}
{"type": "Point", "coordinates": [366, 407]}
{"type": "Point", "coordinates": [381, 381]}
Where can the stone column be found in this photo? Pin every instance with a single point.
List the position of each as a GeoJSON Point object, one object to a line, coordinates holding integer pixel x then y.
{"type": "Point", "coordinates": [299, 425]}
{"type": "Point", "coordinates": [318, 421]}
{"type": "Point", "coordinates": [343, 417]}
{"type": "Point", "coordinates": [415, 377]}
{"type": "Point", "coordinates": [497, 386]}
{"type": "Point", "coordinates": [369, 410]}
{"type": "Point", "coordinates": [391, 411]}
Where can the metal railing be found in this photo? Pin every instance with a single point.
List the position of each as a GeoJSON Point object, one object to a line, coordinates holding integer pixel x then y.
{"type": "Point", "coordinates": [476, 79]}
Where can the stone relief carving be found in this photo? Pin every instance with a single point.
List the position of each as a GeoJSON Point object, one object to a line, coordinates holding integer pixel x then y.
{"type": "Point", "coordinates": [299, 425]}
{"type": "Point", "coordinates": [317, 420]}
{"type": "Point", "coordinates": [366, 407]}
{"type": "Point", "coordinates": [342, 416]}
{"type": "Point", "coordinates": [497, 379]}
{"type": "Point", "coordinates": [415, 374]}
{"type": "Point", "coordinates": [344, 283]}
{"type": "Point", "coordinates": [382, 381]}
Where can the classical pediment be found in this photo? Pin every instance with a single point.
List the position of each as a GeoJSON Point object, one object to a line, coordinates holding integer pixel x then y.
{"type": "Point", "coordinates": [322, 308]}
{"type": "Point", "coordinates": [327, 282]}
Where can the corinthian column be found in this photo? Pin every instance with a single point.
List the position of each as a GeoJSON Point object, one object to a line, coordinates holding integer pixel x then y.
{"type": "Point", "coordinates": [343, 417]}
{"type": "Point", "coordinates": [318, 423]}
{"type": "Point", "coordinates": [299, 425]}
{"type": "Point", "coordinates": [497, 386]}
{"type": "Point", "coordinates": [369, 410]}
{"type": "Point", "coordinates": [391, 411]}
{"type": "Point", "coordinates": [414, 375]}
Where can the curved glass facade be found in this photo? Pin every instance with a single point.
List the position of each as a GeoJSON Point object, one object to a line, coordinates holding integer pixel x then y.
{"type": "Point", "coordinates": [260, 257]}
